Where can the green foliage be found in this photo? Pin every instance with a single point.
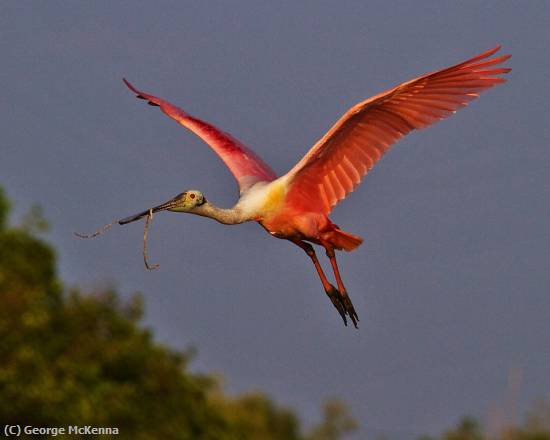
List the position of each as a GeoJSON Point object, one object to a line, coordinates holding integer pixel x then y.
{"type": "Point", "coordinates": [337, 422]}
{"type": "Point", "coordinates": [537, 424]}
{"type": "Point", "coordinates": [535, 427]}
{"type": "Point", "coordinates": [4, 209]}
{"type": "Point", "coordinates": [254, 416]}
{"type": "Point", "coordinates": [69, 358]}
{"type": "Point", "coordinates": [468, 429]}
{"type": "Point", "coordinates": [538, 418]}
{"type": "Point", "coordinates": [34, 221]}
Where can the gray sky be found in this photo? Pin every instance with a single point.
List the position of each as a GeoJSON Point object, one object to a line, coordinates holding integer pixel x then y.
{"type": "Point", "coordinates": [452, 284]}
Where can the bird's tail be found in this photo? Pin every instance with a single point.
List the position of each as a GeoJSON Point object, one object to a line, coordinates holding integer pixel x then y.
{"type": "Point", "coordinates": [344, 240]}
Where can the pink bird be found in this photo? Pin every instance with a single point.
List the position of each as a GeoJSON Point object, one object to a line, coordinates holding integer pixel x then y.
{"type": "Point", "coordinates": [296, 206]}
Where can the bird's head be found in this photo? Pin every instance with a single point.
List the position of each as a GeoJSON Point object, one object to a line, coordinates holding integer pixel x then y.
{"type": "Point", "coordinates": [187, 201]}
{"type": "Point", "coordinates": [184, 202]}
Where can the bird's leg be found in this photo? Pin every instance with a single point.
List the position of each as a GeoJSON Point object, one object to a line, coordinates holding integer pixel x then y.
{"type": "Point", "coordinates": [330, 290]}
{"type": "Point", "coordinates": [344, 297]}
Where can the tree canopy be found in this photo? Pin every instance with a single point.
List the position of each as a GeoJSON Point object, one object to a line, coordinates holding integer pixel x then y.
{"type": "Point", "coordinates": [69, 357]}
{"type": "Point", "coordinates": [73, 358]}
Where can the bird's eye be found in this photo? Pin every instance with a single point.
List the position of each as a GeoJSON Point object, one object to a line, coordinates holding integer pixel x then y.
{"type": "Point", "coordinates": [192, 196]}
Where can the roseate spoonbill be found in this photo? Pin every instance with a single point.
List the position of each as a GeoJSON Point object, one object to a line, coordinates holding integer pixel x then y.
{"type": "Point", "coordinates": [296, 205]}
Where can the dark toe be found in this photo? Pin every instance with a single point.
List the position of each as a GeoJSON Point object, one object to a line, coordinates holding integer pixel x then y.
{"type": "Point", "coordinates": [348, 307]}
{"type": "Point", "coordinates": [336, 300]}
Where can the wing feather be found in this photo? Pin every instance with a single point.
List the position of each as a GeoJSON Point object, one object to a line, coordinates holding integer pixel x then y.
{"type": "Point", "coordinates": [245, 165]}
{"type": "Point", "coordinates": [336, 164]}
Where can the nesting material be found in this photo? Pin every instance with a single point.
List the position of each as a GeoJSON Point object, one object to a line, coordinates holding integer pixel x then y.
{"type": "Point", "coordinates": [96, 233]}
{"type": "Point", "coordinates": [145, 229]}
{"type": "Point", "coordinates": [106, 227]}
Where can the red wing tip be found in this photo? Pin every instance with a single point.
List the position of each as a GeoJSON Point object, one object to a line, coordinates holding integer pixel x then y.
{"type": "Point", "coordinates": [500, 58]}
{"type": "Point", "coordinates": [494, 50]}
{"type": "Point", "coordinates": [487, 53]}
{"type": "Point", "coordinates": [130, 86]}
{"type": "Point", "coordinates": [491, 52]}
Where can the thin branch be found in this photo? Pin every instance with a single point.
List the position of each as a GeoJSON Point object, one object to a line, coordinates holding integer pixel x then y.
{"type": "Point", "coordinates": [96, 233]}
{"type": "Point", "coordinates": [147, 221]}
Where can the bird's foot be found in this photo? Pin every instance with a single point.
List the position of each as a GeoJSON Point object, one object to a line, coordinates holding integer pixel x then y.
{"type": "Point", "coordinates": [336, 300]}
{"type": "Point", "coordinates": [342, 302]}
{"type": "Point", "coordinates": [347, 305]}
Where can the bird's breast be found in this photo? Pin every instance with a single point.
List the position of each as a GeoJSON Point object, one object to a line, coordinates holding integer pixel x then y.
{"type": "Point", "coordinates": [274, 197]}
{"type": "Point", "coordinates": [263, 199]}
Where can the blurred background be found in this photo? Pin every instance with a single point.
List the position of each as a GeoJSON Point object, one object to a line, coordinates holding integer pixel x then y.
{"type": "Point", "coordinates": [452, 283]}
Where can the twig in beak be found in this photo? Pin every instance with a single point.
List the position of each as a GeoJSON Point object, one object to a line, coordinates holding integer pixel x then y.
{"type": "Point", "coordinates": [147, 221]}
{"type": "Point", "coordinates": [104, 228]}
{"type": "Point", "coordinates": [96, 233]}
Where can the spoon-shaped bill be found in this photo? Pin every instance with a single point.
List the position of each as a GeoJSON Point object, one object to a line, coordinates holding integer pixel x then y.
{"type": "Point", "coordinates": [162, 207]}
{"type": "Point", "coordinates": [133, 218]}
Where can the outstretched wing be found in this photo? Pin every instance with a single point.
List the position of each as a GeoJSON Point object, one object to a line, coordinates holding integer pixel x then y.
{"type": "Point", "coordinates": [337, 163]}
{"type": "Point", "coordinates": [247, 167]}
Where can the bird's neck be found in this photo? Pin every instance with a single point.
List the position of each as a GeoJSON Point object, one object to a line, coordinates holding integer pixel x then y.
{"type": "Point", "coordinates": [231, 216]}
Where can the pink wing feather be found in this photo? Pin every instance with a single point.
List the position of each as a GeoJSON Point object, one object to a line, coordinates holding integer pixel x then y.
{"type": "Point", "coordinates": [247, 167]}
{"type": "Point", "coordinates": [337, 163]}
